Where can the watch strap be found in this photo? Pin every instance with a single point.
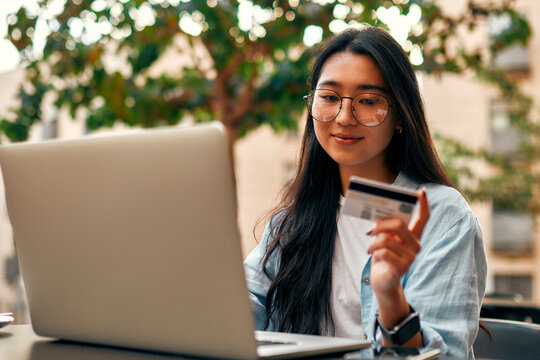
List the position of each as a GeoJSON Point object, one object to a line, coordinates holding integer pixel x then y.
{"type": "Point", "coordinates": [402, 332]}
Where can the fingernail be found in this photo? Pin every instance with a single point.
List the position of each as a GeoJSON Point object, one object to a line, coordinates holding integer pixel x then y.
{"type": "Point", "coordinates": [371, 228]}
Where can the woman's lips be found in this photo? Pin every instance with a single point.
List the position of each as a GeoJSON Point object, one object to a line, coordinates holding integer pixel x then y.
{"type": "Point", "coordinates": [347, 139]}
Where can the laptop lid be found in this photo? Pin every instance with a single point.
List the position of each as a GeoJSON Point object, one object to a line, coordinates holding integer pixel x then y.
{"type": "Point", "coordinates": [132, 240]}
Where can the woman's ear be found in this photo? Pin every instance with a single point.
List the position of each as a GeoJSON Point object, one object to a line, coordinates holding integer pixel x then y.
{"type": "Point", "coordinates": [399, 127]}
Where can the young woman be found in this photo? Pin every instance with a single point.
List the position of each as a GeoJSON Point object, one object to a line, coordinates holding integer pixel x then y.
{"type": "Point", "coordinates": [316, 272]}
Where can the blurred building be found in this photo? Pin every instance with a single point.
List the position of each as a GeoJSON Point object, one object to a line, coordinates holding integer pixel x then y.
{"type": "Point", "coordinates": [462, 108]}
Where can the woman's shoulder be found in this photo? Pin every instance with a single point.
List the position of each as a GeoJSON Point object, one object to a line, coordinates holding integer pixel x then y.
{"type": "Point", "coordinates": [445, 197]}
{"type": "Point", "coordinates": [446, 203]}
{"type": "Point", "coordinates": [450, 215]}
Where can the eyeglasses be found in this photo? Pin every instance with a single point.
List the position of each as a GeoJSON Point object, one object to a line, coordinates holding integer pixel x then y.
{"type": "Point", "coordinates": [368, 109]}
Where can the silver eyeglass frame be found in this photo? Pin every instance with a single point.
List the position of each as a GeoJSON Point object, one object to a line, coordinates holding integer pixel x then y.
{"type": "Point", "coordinates": [306, 99]}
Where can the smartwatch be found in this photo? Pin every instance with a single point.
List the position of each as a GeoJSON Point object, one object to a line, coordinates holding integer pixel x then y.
{"type": "Point", "coordinates": [402, 332]}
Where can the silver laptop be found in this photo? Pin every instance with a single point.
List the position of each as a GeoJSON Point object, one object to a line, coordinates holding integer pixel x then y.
{"type": "Point", "coordinates": [132, 240]}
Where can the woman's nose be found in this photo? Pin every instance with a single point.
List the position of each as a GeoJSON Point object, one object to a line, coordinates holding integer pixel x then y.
{"type": "Point", "coordinates": [345, 116]}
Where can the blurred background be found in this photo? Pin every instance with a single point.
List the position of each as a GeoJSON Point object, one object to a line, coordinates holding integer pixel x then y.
{"type": "Point", "coordinates": [86, 68]}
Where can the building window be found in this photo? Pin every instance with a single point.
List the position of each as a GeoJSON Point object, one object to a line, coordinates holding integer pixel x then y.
{"type": "Point", "coordinates": [514, 284]}
{"type": "Point", "coordinates": [514, 58]}
{"type": "Point", "coordinates": [505, 138]}
{"type": "Point", "coordinates": [512, 232]}
{"type": "Point", "coordinates": [50, 129]}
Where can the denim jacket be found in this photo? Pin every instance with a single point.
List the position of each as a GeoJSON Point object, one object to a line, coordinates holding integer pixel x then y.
{"type": "Point", "coordinates": [445, 284]}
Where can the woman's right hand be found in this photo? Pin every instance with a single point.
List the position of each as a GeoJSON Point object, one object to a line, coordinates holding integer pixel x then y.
{"type": "Point", "coordinates": [395, 247]}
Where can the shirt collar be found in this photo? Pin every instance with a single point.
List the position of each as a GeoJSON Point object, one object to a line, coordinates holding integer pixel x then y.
{"type": "Point", "coordinates": [403, 180]}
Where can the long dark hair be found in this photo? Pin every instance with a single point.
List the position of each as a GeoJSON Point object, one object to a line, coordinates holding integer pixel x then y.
{"type": "Point", "coordinates": [305, 221]}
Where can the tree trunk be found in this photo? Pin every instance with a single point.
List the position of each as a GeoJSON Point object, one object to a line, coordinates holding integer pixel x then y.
{"type": "Point", "coordinates": [232, 135]}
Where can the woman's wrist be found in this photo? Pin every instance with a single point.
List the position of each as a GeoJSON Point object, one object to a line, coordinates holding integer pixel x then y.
{"type": "Point", "coordinates": [393, 306]}
{"type": "Point", "coordinates": [393, 309]}
{"type": "Point", "coordinates": [402, 333]}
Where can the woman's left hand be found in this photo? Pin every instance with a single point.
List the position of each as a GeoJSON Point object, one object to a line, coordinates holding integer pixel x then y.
{"type": "Point", "coordinates": [395, 248]}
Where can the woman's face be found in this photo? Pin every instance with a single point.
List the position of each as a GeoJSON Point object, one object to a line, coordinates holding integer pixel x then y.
{"type": "Point", "coordinates": [358, 149]}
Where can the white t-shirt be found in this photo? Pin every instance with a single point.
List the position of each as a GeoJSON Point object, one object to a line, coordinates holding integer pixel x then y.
{"type": "Point", "coordinates": [350, 257]}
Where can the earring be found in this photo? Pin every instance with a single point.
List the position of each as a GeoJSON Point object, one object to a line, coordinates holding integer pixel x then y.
{"type": "Point", "coordinates": [399, 130]}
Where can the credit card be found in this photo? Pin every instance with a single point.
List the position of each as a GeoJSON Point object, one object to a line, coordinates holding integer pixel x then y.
{"type": "Point", "coordinates": [374, 200]}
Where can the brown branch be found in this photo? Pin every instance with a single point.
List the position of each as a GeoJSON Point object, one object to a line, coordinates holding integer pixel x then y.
{"type": "Point", "coordinates": [221, 104]}
{"type": "Point", "coordinates": [231, 67]}
{"type": "Point", "coordinates": [179, 97]}
{"type": "Point", "coordinates": [245, 100]}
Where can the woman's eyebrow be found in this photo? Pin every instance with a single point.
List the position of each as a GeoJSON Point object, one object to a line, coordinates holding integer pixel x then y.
{"type": "Point", "coordinates": [371, 87]}
{"type": "Point", "coordinates": [335, 84]}
{"type": "Point", "coordinates": [329, 83]}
